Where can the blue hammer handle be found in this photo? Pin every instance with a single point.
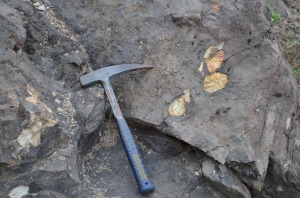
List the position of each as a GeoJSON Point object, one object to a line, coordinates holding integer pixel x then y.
{"type": "Point", "coordinates": [137, 166]}
{"type": "Point", "coordinates": [129, 145]}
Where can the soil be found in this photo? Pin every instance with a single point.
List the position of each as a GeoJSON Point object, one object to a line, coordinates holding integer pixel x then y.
{"type": "Point", "coordinates": [287, 31]}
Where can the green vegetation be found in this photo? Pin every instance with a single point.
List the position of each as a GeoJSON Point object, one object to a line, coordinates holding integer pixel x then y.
{"type": "Point", "coordinates": [292, 39]}
{"type": "Point", "coordinates": [296, 71]}
{"type": "Point", "coordinates": [275, 16]}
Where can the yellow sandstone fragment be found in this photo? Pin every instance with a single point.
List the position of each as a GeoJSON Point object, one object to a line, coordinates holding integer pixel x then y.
{"type": "Point", "coordinates": [177, 107]}
{"type": "Point", "coordinates": [186, 95]}
{"type": "Point", "coordinates": [209, 51]}
{"type": "Point", "coordinates": [212, 49]}
{"type": "Point", "coordinates": [215, 62]}
{"type": "Point", "coordinates": [37, 123]}
{"type": "Point", "coordinates": [215, 82]}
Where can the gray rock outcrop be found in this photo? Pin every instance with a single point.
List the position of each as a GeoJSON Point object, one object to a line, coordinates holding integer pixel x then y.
{"type": "Point", "coordinates": [42, 113]}
{"type": "Point", "coordinates": [242, 116]}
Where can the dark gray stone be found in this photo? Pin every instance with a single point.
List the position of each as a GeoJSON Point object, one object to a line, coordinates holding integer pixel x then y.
{"type": "Point", "coordinates": [106, 172]}
{"type": "Point", "coordinates": [236, 125]}
{"type": "Point", "coordinates": [40, 124]}
{"type": "Point", "coordinates": [223, 179]}
{"type": "Point", "coordinates": [74, 58]}
{"type": "Point", "coordinates": [164, 145]}
{"type": "Point", "coordinates": [280, 7]}
{"type": "Point", "coordinates": [251, 126]}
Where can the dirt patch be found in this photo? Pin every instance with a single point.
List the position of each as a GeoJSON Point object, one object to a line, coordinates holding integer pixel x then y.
{"type": "Point", "coordinates": [287, 32]}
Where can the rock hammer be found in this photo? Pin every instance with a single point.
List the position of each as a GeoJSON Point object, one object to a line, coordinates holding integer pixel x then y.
{"type": "Point", "coordinates": [103, 76]}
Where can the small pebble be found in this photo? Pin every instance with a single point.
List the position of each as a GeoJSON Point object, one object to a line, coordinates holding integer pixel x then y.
{"type": "Point", "coordinates": [36, 4]}
{"type": "Point", "coordinates": [201, 67]}
{"type": "Point", "coordinates": [75, 59]}
{"type": "Point", "coordinates": [41, 8]}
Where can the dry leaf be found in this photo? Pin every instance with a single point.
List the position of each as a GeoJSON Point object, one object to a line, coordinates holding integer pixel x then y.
{"type": "Point", "coordinates": [215, 82]}
{"type": "Point", "coordinates": [201, 67]}
{"type": "Point", "coordinates": [215, 62]}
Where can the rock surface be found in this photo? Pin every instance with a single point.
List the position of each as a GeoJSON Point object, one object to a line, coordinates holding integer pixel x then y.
{"type": "Point", "coordinates": [224, 179]}
{"type": "Point", "coordinates": [237, 125]}
{"type": "Point", "coordinates": [247, 131]}
{"type": "Point", "coordinates": [106, 172]}
{"type": "Point", "coordinates": [42, 113]}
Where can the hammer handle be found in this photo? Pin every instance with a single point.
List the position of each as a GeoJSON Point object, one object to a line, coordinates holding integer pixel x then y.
{"type": "Point", "coordinates": [137, 166]}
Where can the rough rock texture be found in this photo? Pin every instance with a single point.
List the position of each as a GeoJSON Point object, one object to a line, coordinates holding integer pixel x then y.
{"type": "Point", "coordinates": [248, 132]}
{"type": "Point", "coordinates": [280, 7]}
{"type": "Point", "coordinates": [224, 179]}
{"type": "Point", "coordinates": [106, 172]}
{"type": "Point", "coordinates": [288, 36]}
{"type": "Point", "coordinates": [42, 113]}
{"type": "Point", "coordinates": [239, 125]}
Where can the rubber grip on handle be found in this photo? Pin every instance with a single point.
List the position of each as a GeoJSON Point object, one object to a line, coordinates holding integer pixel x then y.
{"type": "Point", "coordinates": [137, 166]}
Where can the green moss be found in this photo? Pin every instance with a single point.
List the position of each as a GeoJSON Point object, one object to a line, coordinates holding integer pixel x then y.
{"type": "Point", "coordinates": [275, 16]}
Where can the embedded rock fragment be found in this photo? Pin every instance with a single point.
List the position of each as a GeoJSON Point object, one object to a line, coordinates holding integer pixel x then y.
{"type": "Point", "coordinates": [215, 82]}
{"type": "Point", "coordinates": [19, 192]}
{"type": "Point", "coordinates": [251, 126]}
{"type": "Point", "coordinates": [40, 124]}
{"type": "Point", "coordinates": [215, 61]}
{"type": "Point", "coordinates": [237, 126]}
{"type": "Point", "coordinates": [177, 107]}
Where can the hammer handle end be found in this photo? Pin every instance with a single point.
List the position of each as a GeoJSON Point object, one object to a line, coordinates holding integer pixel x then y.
{"type": "Point", "coordinates": [137, 166]}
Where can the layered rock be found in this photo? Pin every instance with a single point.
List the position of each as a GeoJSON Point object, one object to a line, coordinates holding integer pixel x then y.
{"type": "Point", "coordinates": [42, 113]}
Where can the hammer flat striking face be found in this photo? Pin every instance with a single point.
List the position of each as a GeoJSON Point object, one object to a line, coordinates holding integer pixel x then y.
{"type": "Point", "coordinates": [102, 76]}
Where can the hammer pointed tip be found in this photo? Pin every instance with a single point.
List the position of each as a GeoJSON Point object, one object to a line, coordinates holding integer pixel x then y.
{"type": "Point", "coordinates": [103, 74]}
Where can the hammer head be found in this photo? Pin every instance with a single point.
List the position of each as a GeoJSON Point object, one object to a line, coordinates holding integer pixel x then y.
{"type": "Point", "coordinates": [103, 74]}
